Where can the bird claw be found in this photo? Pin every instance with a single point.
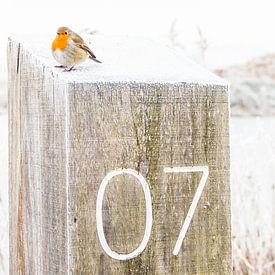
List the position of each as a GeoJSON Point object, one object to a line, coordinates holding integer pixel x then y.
{"type": "Point", "coordinates": [59, 66]}
{"type": "Point", "coordinates": [69, 69]}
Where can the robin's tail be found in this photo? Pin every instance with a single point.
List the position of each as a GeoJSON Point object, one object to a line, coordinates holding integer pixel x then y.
{"type": "Point", "coordinates": [94, 59]}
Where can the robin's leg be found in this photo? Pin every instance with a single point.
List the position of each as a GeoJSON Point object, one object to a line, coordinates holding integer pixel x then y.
{"type": "Point", "coordinates": [59, 66]}
{"type": "Point", "coordinates": [68, 69]}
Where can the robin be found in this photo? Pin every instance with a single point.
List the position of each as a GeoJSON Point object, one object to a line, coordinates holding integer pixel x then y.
{"type": "Point", "coordinates": [69, 49]}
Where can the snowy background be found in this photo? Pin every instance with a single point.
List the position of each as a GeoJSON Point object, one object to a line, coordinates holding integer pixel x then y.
{"type": "Point", "coordinates": [235, 39]}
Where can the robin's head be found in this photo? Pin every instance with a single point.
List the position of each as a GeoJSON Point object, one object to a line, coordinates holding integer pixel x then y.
{"type": "Point", "coordinates": [64, 33]}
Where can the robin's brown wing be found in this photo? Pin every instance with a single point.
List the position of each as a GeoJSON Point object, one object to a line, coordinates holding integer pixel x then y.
{"type": "Point", "coordinates": [86, 48]}
{"type": "Point", "coordinates": [79, 42]}
{"type": "Point", "coordinates": [89, 51]}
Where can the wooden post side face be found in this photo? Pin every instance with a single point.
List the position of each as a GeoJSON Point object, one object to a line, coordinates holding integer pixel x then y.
{"type": "Point", "coordinates": [37, 167]}
{"type": "Point", "coordinates": [153, 129]}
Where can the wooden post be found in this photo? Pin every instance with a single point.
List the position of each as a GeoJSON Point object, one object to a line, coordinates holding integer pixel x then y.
{"type": "Point", "coordinates": [120, 167]}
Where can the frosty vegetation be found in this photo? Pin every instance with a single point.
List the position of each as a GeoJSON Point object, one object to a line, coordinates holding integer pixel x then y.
{"type": "Point", "coordinates": [253, 86]}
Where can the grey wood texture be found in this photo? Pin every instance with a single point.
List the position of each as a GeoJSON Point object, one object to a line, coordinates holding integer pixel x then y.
{"type": "Point", "coordinates": [68, 130]}
{"type": "Point", "coordinates": [37, 167]}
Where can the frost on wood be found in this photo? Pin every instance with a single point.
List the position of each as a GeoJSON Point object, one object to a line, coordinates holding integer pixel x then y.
{"type": "Point", "coordinates": [144, 109]}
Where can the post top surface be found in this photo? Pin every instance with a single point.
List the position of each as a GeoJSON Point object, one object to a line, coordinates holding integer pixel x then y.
{"type": "Point", "coordinates": [124, 59]}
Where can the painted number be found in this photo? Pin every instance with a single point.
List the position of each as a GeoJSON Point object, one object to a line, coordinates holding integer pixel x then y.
{"type": "Point", "coordinates": [99, 222]}
{"type": "Point", "coordinates": [191, 211]}
{"type": "Point", "coordinates": [148, 201]}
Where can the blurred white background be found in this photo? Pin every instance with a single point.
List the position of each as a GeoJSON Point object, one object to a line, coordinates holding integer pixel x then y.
{"type": "Point", "coordinates": [235, 30]}
{"type": "Point", "coordinates": [215, 33]}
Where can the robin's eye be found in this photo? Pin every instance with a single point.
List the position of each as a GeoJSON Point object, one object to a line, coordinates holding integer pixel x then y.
{"type": "Point", "coordinates": [58, 33]}
{"type": "Point", "coordinates": [66, 33]}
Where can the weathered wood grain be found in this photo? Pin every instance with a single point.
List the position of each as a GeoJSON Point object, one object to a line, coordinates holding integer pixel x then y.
{"type": "Point", "coordinates": [66, 134]}
{"type": "Point", "coordinates": [37, 167]}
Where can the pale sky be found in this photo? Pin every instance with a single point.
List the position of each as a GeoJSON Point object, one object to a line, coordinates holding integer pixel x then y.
{"type": "Point", "coordinates": [235, 29]}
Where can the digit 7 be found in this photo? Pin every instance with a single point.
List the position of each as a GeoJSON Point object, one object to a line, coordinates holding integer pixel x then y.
{"type": "Point", "coordinates": [191, 211]}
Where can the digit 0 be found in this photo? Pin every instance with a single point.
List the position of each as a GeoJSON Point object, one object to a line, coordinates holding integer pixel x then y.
{"type": "Point", "coordinates": [99, 221]}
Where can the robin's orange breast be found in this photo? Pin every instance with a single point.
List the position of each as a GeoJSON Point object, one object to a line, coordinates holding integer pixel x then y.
{"type": "Point", "coordinates": [60, 43]}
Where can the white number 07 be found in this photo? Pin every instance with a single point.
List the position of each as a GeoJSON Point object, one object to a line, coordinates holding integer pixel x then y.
{"type": "Point", "coordinates": [148, 201]}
